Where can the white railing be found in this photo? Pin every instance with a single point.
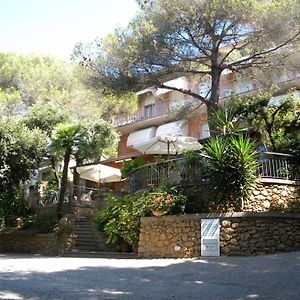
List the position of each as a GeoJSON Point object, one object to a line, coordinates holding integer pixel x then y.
{"type": "Point", "coordinates": [147, 112]}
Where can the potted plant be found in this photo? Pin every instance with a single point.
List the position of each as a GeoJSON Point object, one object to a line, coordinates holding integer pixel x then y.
{"type": "Point", "coordinates": [166, 200]}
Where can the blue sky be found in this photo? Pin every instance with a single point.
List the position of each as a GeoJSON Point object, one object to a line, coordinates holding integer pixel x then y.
{"type": "Point", "coordinates": [54, 26]}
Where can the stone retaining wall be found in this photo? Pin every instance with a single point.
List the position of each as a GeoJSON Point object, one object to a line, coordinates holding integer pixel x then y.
{"type": "Point", "coordinates": [274, 194]}
{"type": "Point", "coordinates": [269, 195]}
{"type": "Point", "coordinates": [34, 243]}
{"type": "Point", "coordinates": [247, 233]}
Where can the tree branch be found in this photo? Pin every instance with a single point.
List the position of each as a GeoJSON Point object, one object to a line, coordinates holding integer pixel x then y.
{"type": "Point", "coordinates": [185, 91]}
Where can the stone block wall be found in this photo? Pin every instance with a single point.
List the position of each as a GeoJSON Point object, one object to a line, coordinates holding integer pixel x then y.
{"type": "Point", "coordinates": [34, 243]}
{"type": "Point", "coordinates": [269, 195]}
{"type": "Point", "coordinates": [16, 242]}
{"type": "Point", "coordinates": [272, 194]}
{"type": "Point", "coordinates": [256, 234]}
{"type": "Point", "coordinates": [170, 236]}
{"type": "Point", "coordinates": [246, 233]}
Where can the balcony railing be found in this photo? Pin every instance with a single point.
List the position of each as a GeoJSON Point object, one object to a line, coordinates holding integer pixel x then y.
{"type": "Point", "coordinates": [147, 112]}
{"type": "Point", "coordinates": [179, 171]}
{"type": "Point", "coordinates": [278, 165]}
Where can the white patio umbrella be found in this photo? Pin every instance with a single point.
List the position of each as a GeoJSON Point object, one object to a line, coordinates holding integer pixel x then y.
{"type": "Point", "coordinates": [99, 173]}
{"type": "Point", "coordinates": [167, 144]}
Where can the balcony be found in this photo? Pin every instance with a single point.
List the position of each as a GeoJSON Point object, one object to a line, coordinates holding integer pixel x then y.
{"type": "Point", "coordinates": [147, 112]}
{"type": "Point", "coordinates": [178, 171]}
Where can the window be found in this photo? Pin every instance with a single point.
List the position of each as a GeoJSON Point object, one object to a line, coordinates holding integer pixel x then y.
{"type": "Point", "coordinates": [149, 111]}
{"type": "Point", "coordinates": [204, 90]}
{"type": "Point", "coordinates": [227, 93]}
{"type": "Point", "coordinates": [204, 133]}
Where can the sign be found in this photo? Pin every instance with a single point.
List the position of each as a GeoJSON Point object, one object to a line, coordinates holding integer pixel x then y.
{"type": "Point", "coordinates": [210, 237]}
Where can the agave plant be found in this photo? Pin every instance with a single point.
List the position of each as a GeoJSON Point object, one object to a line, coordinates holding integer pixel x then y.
{"type": "Point", "coordinates": [233, 162]}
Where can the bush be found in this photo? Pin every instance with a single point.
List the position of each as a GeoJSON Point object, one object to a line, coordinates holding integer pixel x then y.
{"type": "Point", "coordinates": [44, 223]}
{"type": "Point", "coordinates": [12, 206]}
{"type": "Point", "coordinates": [121, 219]}
{"type": "Point", "coordinates": [231, 169]}
{"type": "Point", "coordinates": [129, 166]}
{"type": "Point", "coordinates": [167, 199]}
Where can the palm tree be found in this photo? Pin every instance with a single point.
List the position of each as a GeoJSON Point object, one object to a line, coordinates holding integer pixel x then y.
{"type": "Point", "coordinates": [65, 141]}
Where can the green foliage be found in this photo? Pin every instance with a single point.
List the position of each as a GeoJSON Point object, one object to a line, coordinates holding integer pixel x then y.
{"type": "Point", "coordinates": [99, 137]}
{"type": "Point", "coordinates": [195, 38]}
{"type": "Point", "coordinates": [10, 102]}
{"type": "Point", "coordinates": [278, 124]}
{"type": "Point", "coordinates": [232, 163]}
{"type": "Point", "coordinates": [191, 157]}
{"type": "Point", "coordinates": [223, 119]}
{"type": "Point", "coordinates": [232, 168]}
{"type": "Point", "coordinates": [12, 205]}
{"type": "Point", "coordinates": [51, 190]}
{"type": "Point", "coordinates": [45, 116]}
{"type": "Point", "coordinates": [21, 150]}
{"type": "Point", "coordinates": [167, 199]}
{"type": "Point", "coordinates": [44, 222]}
{"type": "Point", "coordinates": [121, 219]}
{"type": "Point", "coordinates": [34, 79]}
{"type": "Point", "coordinates": [129, 166]}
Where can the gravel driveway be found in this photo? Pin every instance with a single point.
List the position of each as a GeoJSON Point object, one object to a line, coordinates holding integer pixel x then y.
{"type": "Point", "coordinates": [262, 277]}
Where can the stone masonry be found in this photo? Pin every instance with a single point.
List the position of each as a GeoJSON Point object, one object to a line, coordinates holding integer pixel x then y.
{"type": "Point", "coordinates": [245, 233]}
{"type": "Point", "coordinates": [275, 195]}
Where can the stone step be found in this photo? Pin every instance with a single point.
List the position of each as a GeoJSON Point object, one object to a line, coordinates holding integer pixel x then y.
{"type": "Point", "coordinates": [83, 230]}
{"type": "Point", "coordinates": [83, 221]}
{"type": "Point", "coordinates": [98, 254]}
{"type": "Point", "coordinates": [86, 242]}
{"type": "Point", "coordinates": [86, 249]}
{"type": "Point", "coordinates": [87, 237]}
{"type": "Point", "coordinates": [80, 227]}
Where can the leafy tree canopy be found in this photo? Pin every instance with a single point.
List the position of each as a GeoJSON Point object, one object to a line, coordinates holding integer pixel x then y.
{"type": "Point", "coordinates": [21, 150]}
{"type": "Point", "coordinates": [27, 80]}
{"type": "Point", "coordinates": [276, 120]}
{"type": "Point", "coordinates": [195, 38]}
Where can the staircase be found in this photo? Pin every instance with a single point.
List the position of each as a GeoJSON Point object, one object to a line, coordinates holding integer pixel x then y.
{"type": "Point", "coordinates": [87, 244]}
{"type": "Point", "coordinates": [87, 239]}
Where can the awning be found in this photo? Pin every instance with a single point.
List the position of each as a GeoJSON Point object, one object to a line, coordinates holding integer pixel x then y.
{"type": "Point", "coordinates": [178, 128]}
{"type": "Point", "coordinates": [141, 136]}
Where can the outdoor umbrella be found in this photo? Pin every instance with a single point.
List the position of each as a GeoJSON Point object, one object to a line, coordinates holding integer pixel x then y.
{"type": "Point", "coordinates": [99, 173]}
{"type": "Point", "coordinates": [167, 144]}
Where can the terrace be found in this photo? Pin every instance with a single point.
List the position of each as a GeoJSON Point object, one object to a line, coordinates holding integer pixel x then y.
{"type": "Point", "coordinates": [179, 171]}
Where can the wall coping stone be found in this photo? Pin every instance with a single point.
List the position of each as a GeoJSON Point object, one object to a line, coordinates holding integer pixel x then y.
{"type": "Point", "coordinates": [278, 181]}
{"type": "Point", "coordinates": [190, 217]}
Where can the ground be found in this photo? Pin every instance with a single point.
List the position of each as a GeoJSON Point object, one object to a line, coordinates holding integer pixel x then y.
{"type": "Point", "coordinates": [262, 277]}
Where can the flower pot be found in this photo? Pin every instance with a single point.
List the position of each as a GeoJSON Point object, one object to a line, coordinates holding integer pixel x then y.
{"type": "Point", "coordinates": [158, 213]}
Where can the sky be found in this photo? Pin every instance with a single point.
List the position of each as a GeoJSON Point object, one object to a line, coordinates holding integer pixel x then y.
{"type": "Point", "coordinates": [55, 26]}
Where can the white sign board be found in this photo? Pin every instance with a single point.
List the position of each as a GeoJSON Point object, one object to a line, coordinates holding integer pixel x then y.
{"type": "Point", "coordinates": [210, 237]}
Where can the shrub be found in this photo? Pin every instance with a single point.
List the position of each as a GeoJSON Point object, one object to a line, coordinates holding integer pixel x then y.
{"type": "Point", "coordinates": [44, 223]}
{"type": "Point", "coordinates": [129, 166]}
{"type": "Point", "coordinates": [13, 205]}
{"type": "Point", "coordinates": [231, 168]}
{"type": "Point", "coordinates": [121, 219]}
{"type": "Point", "coordinates": [167, 199]}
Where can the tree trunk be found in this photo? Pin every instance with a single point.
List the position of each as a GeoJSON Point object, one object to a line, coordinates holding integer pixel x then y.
{"type": "Point", "coordinates": [56, 177]}
{"type": "Point", "coordinates": [63, 185]}
{"type": "Point", "coordinates": [76, 180]}
{"type": "Point", "coordinates": [212, 106]}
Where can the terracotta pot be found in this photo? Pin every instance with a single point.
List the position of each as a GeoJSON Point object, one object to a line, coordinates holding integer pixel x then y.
{"type": "Point", "coordinates": [158, 213]}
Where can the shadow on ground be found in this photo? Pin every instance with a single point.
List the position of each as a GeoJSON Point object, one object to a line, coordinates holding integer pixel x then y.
{"type": "Point", "coordinates": [264, 277]}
